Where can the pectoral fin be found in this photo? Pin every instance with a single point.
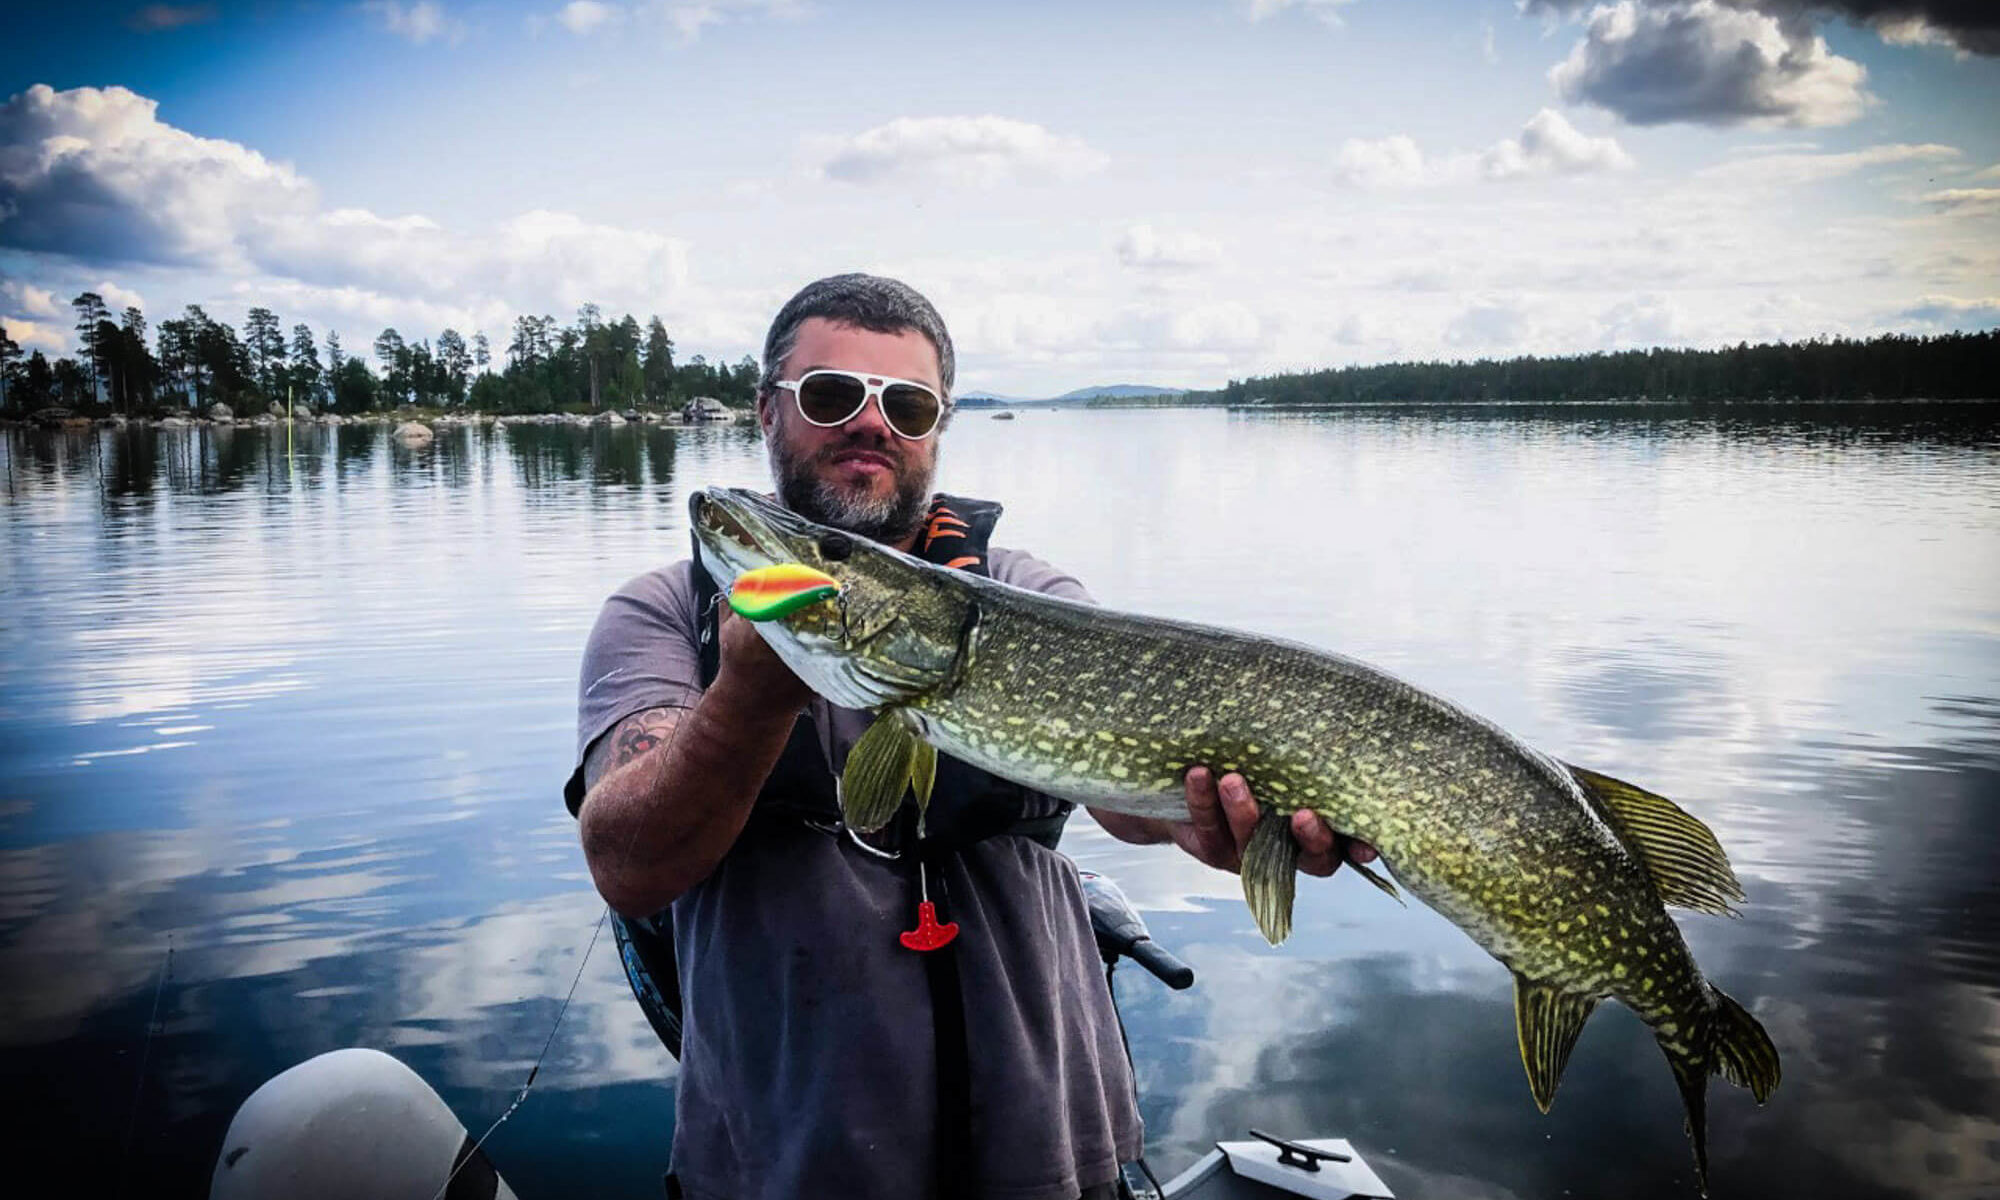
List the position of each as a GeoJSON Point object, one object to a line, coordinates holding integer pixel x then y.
{"type": "Point", "coordinates": [1371, 875]}
{"type": "Point", "coordinates": [878, 773]}
{"type": "Point", "coordinates": [1270, 875]}
{"type": "Point", "coordinates": [1547, 1020]}
{"type": "Point", "coordinates": [923, 773]}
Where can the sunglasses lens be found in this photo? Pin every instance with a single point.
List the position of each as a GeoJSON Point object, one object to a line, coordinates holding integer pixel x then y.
{"type": "Point", "coordinates": [912, 411]}
{"type": "Point", "coordinates": [828, 399]}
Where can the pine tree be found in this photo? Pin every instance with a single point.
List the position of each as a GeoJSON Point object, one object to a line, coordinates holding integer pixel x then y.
{"type": "Point", "coordinates": [659, 364]}
{"type": "Point", "coordinates": [393, 355]}
{"type": "Point", "coordinates": [10, 352]}
{"type": "Point", "coordinates": [305, 370]}
{"type": "Point", "coordinates": [265, 339]}
{"type": "Point", "coordinates": [90, 313]}
{"type": "Point", "coordinates": [455, 363]}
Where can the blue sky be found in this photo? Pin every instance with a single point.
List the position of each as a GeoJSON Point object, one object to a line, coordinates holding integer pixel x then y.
{"type": "Point", "coordinates": [1176, 192]}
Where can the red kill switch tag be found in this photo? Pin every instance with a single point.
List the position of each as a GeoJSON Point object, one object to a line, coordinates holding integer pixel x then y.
{"type": "Point", "coordinates": [929, 935]}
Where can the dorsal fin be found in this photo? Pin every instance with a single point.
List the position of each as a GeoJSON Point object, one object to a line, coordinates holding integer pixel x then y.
{"type": "Point", "coordinates": [1685, 861]}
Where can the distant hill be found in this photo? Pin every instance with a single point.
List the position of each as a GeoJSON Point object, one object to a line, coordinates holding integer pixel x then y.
{"type": "Point", "coordinates": [1113, 391]}
{"type": "Point", "coordinates": [986, 400]}
{"type": "Point", "coordinates": [1120, 391]}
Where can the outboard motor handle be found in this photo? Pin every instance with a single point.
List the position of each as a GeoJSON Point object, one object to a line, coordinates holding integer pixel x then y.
{"type": "Point", "coordinates": [1120, 932]}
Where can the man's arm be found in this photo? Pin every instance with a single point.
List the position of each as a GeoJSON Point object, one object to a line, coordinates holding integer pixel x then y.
{"type": "Point", "coordinates": [1221, 815]}
{"type": "Point", "coordinates": [669, 789]}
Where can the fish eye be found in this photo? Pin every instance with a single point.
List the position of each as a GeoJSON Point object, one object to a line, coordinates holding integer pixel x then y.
{"type": "Point", "coordinates": [835, 547]}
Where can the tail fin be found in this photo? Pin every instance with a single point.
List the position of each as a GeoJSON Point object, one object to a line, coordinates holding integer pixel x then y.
{"type": "Point", "coordinates": [1731, 1044]}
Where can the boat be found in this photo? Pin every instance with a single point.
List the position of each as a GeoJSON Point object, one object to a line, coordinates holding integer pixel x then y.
{"type": "Point", "coordinates": [1003, 415]}
{"type": "Point", "coordinates": [358, 1124]}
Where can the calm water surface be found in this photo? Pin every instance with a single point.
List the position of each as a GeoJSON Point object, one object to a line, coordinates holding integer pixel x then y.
{"type": "Point", "coordinates": [303, 716]}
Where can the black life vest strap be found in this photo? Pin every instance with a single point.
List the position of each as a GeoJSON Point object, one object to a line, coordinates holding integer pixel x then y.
{"type": "Point", "coordinates": [950, 1040]}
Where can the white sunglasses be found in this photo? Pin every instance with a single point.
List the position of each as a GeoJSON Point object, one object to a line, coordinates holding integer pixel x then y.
{"type": "Point", "coordinates": [829, 397]}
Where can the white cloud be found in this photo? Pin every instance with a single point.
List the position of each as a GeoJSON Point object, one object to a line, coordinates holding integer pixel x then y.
{"type": "Point", "coordinates": [1227, 326]}
{"type": "Point", "coordinates": [1390, 162]}
{"type": "Point", "coordinates": [1550, 145]}
{"type": "Point", "coordinates": [1148, 249]}
{"type": "Point", "coordinates": [982, 151]}
{"type": "Point", "coordinates": [1327, 12]}
{"type": "Point", "coordinates": [35, 301]}
{"type": "Point", "coordinates": [1547, 145]}
{"type": "Point", "coordinates": [1642, 322]}
{"type": "Point", "coordinates": [1950, 312]}
{"type": "Point", "coordinates": [32, 334]}
{"type": "Point", "coordinates": [1914, 31]}
{"type": "Point", "coordinates": [417, 23]}
{"type": "Point", "coordinates": [1992, 172]}
{"type": "Point", "coordinates": [1967, 26]}
{"type": "Point", "coordinates": [1709, 63]}
{"type": "Point", "coordinates": [582, 17]}
{"type": "Point", "coordinates": [1793, 169]}
{"type": "Point", "coordinates": [118, 299]}
{"type": "Point", "coordinates": [94, 175]}
{"type": "Point", "coordinates": [1965, 201]}
{"type": "Point", "coordinates": [687, 18]}
{"type": "Point", "coordinates": [1498, 326]}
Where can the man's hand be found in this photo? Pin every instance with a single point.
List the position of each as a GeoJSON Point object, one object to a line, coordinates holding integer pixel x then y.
{"type": "Point", "coordinates": [754, 669]}
{"type": "Point", "coordinates": [1222, 813]}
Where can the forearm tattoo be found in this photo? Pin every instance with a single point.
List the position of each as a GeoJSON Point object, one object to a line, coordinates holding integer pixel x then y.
{"type": "Point", "coordinates": [643, 732]}
{"type": "Point", "coordinates": [633, 737]}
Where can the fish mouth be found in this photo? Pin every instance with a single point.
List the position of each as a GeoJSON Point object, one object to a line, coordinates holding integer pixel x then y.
{"type": "Point", "coordinates": [740, 530]}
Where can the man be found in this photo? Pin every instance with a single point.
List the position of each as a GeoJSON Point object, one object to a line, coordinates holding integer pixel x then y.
{"type": "Point", "coordinates": [820, 1055]}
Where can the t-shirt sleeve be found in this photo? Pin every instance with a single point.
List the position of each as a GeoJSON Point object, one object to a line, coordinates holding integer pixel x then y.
{"type": "Point", "coordinates": [1024, 570]}
{"type": "Point", "coordinates": [643, 653]}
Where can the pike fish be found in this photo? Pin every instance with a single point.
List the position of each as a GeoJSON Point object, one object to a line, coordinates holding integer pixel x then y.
{"type": "Point", "coordinates": [1562, 874]}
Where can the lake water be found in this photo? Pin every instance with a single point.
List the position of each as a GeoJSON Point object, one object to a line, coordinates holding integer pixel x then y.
{"type": "Point", "coordinates": [301, 714]}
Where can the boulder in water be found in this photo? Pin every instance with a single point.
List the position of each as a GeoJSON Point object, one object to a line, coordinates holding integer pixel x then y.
{"type": "Point", "coordinates": [414, 434]}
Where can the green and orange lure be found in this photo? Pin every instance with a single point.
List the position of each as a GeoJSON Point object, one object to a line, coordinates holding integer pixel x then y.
{"type": "Point", "coordinates": [767, 593]}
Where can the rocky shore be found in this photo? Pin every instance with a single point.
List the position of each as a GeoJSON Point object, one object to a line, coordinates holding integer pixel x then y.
{"type": "Point", "coordinates": [405, 422]}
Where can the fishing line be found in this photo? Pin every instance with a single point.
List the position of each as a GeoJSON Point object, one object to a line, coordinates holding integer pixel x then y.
{"type": "Point", "coordinates": [534, 1070]}
{"type": "Point", "coordinates": [145, 1055]}
{"type": "Point", "coordinates": [596, 932]}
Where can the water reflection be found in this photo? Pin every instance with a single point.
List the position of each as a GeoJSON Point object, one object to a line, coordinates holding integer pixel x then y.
{"type": "Point", "coordinates": [1887, 1015]}
{"type": "Point", "coordinates": [300, 708]}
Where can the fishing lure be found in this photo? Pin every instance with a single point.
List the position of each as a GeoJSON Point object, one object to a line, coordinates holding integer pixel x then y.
{"type": "Point", "coordinates": [779, 590]}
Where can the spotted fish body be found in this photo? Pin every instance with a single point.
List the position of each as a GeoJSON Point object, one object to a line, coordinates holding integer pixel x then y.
{"type": "Point", "coordinates": [1561, 874]}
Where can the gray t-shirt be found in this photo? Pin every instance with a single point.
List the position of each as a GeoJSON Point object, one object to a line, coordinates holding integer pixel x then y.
{"type": "Point", "coordinates": [807, 1061]}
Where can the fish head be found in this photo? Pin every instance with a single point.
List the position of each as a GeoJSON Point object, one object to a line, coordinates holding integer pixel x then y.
{"type": "Point", "coordinates": [894, 632]}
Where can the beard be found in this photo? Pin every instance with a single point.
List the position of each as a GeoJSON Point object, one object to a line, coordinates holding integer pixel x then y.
{"type": "Point", "coordinates": [803, 488]}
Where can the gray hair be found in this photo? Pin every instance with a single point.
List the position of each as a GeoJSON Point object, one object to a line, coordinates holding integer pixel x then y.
{"type": "Point", "coordinates": [868, 302]}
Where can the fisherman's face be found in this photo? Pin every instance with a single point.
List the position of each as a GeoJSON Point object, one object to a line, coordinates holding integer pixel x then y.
{"type": "Point", "coordinates": [859, 475]}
